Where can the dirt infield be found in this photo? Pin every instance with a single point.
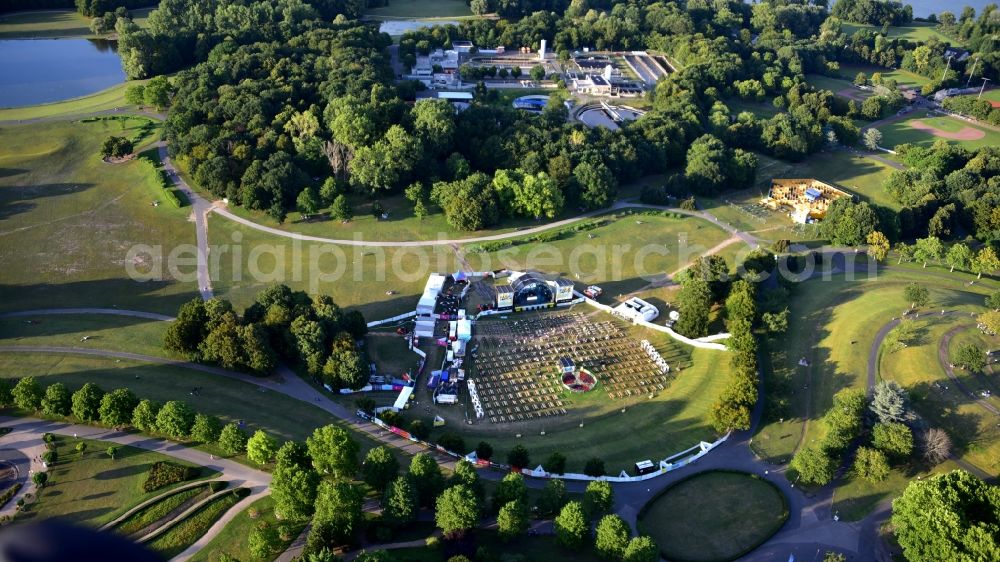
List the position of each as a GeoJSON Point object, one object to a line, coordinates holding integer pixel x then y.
{"type": "Point", "coordinates": [965, 133]}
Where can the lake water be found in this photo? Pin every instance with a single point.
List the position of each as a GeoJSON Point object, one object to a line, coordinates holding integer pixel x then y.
{"type": "Point", "coordinates": [399, 27]}
{"type": "Point", "coordinates": [34, 71]}
{"type": "Point", "coordinates": [924, 8]}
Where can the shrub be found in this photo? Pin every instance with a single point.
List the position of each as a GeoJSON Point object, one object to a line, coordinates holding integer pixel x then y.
{"type": "Point", "coordinates": [9, 493]}
{"type": "Point", "coordinates": [164, 473]}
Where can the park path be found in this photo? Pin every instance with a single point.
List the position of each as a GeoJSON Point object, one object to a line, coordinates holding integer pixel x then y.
{"type": "Point", "coordinates": [109, 311]}
{"type": "Point", "coordinates": [26, 435]}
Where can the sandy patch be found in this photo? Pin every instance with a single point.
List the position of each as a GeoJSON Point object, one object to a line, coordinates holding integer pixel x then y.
{"type": "Point", "coordinates": [966, 133]}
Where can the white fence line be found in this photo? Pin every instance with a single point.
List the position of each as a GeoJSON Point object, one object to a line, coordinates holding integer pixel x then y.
{"type": "Point", "coordinates": [705, 343]}
{"type": "Point", "coordinates": [404, 316]}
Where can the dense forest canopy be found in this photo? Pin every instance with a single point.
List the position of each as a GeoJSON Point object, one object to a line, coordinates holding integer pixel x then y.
{"type": "Point", "coordinates": [292, 104]}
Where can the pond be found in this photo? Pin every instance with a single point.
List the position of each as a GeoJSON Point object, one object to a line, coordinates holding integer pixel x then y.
{"type": "Point", "coordinates": [34, 71]}
{"type": "Point", "coordinates": [399, 27]}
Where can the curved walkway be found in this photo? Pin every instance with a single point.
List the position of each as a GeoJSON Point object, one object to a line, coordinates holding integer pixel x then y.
{"type": "Point", "coordinates": [27, 434]}
{"type": "Point", "coordinates": [117, 520]}
{"type": "Point", "coordinates": [942, 353]}
{"type": "Point", "coordinates": [109, 311]}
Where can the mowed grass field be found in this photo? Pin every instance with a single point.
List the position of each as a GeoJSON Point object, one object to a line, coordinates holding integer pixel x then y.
{"type": "Point", "coordinates": [106, 332]}
{"type": "Point", "coordinates": [419, 9]}
{"type": "Point", "coordinates": [832, 325]}
{"type": "Point", "coordinates": [837, 85]}
{"type": "Point", "coordinates": [94, 489]}
{"type": "Point", "coordinates": [228, 399]}
{"type": "Point", "coordinates": [916, 31]}
{"type": "Point", "coordinates": [623, 255]}
{"type": "Point", "coordinates": [902, 77]}
{"type": "Point", "coordinates": [990, 94]}
{"type": "Point", "coordinates": [68, 221]}
{"type": "Point", "coordinates": [42, 24]}
{"type": "Point", "coordinates": [903, 131]}
{"type": "Point", "coordinates": [112, 98]}
{"type": "Point", "coordinates": [734, 513]}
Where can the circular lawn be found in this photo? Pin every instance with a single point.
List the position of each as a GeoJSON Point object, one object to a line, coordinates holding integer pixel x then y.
{"type": "Point", "coordinates": [713, 516]}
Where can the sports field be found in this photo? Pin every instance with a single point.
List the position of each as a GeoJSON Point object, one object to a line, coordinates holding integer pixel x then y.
{"type": "Point", "coordinates": [923, 129]}
{"type": "Point", "coordinates": [714, 530]}
{"type": "Point", "coordinates": [990, 94]}
{"type": "Point", "coordinates": [421, 9]}
{"type": "Point", "coordinates": [843, 87]}
{"type": "Point", "coordinates": [69, 220]}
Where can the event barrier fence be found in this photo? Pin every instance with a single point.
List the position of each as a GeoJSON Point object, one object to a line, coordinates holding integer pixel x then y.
{"type": "Point", "coordinates": [671, 463]}
{"type": "Point", "coordinates": [707, 342]}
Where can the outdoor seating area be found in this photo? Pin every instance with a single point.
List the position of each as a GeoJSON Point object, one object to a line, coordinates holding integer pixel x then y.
{"type": "Point", "coordinates": [807, 199]}
{"type": "Point", "coordinates": [516, 364]}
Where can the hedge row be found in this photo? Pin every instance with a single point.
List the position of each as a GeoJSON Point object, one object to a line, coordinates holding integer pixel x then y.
{"type": "Point", "coordinates": [541, 237]}
{"type": "Point", "coordinates": [160, 177]}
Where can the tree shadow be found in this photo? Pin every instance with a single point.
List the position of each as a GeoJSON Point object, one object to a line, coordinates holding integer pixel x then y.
{"type": "Point", "coordinates": [19, 199]}
{"type": "Point", "coordinates": [50, 325]}
{"type": "Point", "coordinates": [7, 172]}
{"type": "Point", "coordinates": [121, 472]}
{"type": "Point", "coordinates": [122, 293]}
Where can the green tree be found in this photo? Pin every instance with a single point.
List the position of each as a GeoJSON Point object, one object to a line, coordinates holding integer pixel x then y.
{"type": "Point", "coordinates": [871, 464]}
{"type": "Point", "coordinates": [512, 520]}
{"type": "Point", "coordinates": [598, 185]}
{"type": "Point", "coordinates": [959, 256]}
{"type": "Point", "coordinates": [553, 497]}
{"type": "Point", "coordinates": [993, 300]}
{"type": "Point", "coordinates": [175, 419]}
{"type": "Point", "coordinates": [484, 450]}
{"type": "Point", "coordinates": [694, 302]}
{"type": "Point", "coordinates": [112, 451]}
{"type": "Point", "coordinates": [465, 473]}
{"type": "Point", "coordinates": [57, 400]}
{"type": "Point", "coordinates": [333, 451]}
{"type": "Point", "coordinates": [117, 407]}
{"type": "Point", "coordinates": [878, 245]}
{"type": "Point", "coordinates": [917, 295]}
{"type": "Point", "coordinates": [860, 79]}
{"type": "Point", "coordinates": [612, 538]}
{"type": "Point", "coordinates": [641, 549]}
{"type": "Point", "coordinates": [971, 357]}
{"type": "Point", "coordinates": [400, 502]}
{"type": "Point", "coordinates": [135, 94]}
{"type": "Point", "coordinates": [894, 439]}
{"type": "Point", "coordinates": [144, 416]}
{"type": "Point", "coordinates": [308, 201]}
{"type": "Point", "coordinates": [518, 457]}
{"type": "Point", "coordinates": [594, 467]}
{"type": "Point", "coordinates": [456, 511]}
{"type": "Point", "coordinates": [890, 402]}
{"type": "Point", "coordinates": [872, 139]}
{"type": "Point", "coordinates": [556, 463]}
{"type": "Point", "coordinates": [511, 488]}
{"type": "Point", "coordinates": [928, 249]}
{"type": "Point", "coordinates": [206, 428]}
{"type": "Point", "coordinates": [40, 479]}
{"type": "Point", "coordinates": [951, 516]}
{"type": "Point", "coordinates": [991, 321]}
{"type": "Point", "coordinates": [986, 261]}
{"type": "Point", "coordinates": [571, 526]}
{"type": "Point", "coordinates": [6, 393]}
{"type": "Point", "coordinates": [232, 439]}
{"type": "Point", "coordinates": [116, 147]}
{"type": "Point", "coordinates": [262, 542]}
{"type": "Point", "coordinates": [293, 482]}
{"type": "Point", "coordinates": [831, 556]}
{"type": "Point", "coordinates": [379, 467]}
{"type": "Point", "coordinates": [598, 497]}
{"type": "Point", "coordinates": [340, 209]}
{"type": "Point", "coordinates": [425, 475]}
{"type": "Point", "coordinates": [339, 504]}
{"type": "Point", "coordinates": [188, 330]}
{"type": "Point", "coordinates": [157, 92]}
{"type": "Point", "coordinates": [776, 322]}
{"type": "Point", "coordinates": [261, 447]}
{"type": "Point", "coordinates": [87, 402]}
{"type": "Point", "coordinates": [537, 73]}
{"type": "Point", "coordinates": [814, 465]}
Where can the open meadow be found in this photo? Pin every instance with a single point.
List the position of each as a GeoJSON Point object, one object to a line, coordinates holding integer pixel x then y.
{"type": "Point", "coordinates": [68, 219]}
{"type": "Point", "coordinates": [917, 31]}
{"type": "Point", "coordinates": [923, 129]}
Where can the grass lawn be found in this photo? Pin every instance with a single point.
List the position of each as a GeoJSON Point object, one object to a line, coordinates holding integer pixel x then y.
{"type": "Point", "coordinates": [674, 420]}
{"type": "Point", "coordinates": [826, 317]}
{"type": "Point", "coordinates": [112, 333]}
{"type": "Point", "coordinates": [990, 94]}
{"type": "Point", "coordinates": [95, 489]}
{"type": "Point", "coordinates": [618, 255]}
{"type": "Point", "coordinates": [938, 400]}
{"type": "Point", "coordinates": [421, 9]}
{"type": "Point", "coordinates": [902, 77]}
{"type": "Point", "coordinates": [534, 549]}
{"type": "Point", "coordinates": [856, 497]}
{"type": "Point", "coordinates": [715, 530]}
{"type": "Point", "coordinates": [157, 511]}
{"type": "Point", "coordinates": [69, 221]}
{"type": "Point", "coordinates": [185, 533]}
{"type": "Point", "coordinates": [900, 132]}
{"type": "Point", "coordinates": [917, 31]}
{"type": "Point", "coordinates": [761, 109]}
{"type": "Point", "coordinates": [233, 538]}
{"type": "Point", "coordinates": [99, 101]}
{"type": "Point", "coordinates": [836, 85]}
{"type": "Point", "coordinates": [229, 399]}
{"type": "Point", "coordinates": [42, 24]}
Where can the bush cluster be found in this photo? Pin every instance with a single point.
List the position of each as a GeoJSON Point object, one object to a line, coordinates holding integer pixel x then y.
{"type": "Point", "coordinates": [165, 473]}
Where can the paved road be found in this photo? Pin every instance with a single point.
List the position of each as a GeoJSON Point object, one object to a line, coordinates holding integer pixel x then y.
{"type": "Point", "coordinates": [950, 371]}
{"type": "Point", "coordinates": [26, 435]}
{"type": "Point", "coordinates": [200, 209]}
